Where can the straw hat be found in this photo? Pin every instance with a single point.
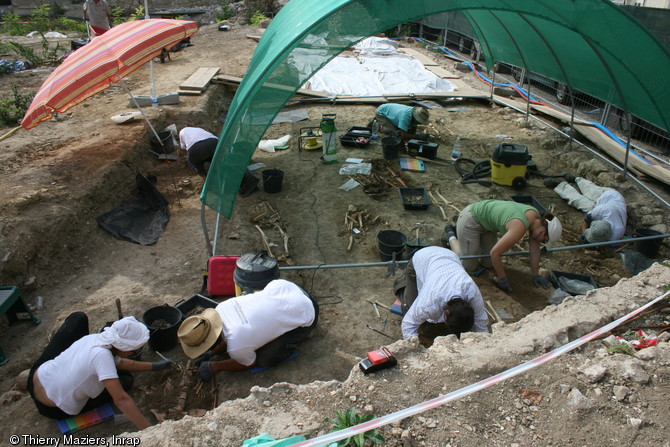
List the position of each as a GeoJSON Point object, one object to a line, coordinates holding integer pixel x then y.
{"type": "Point", "coordinates": [199, 333]}
{"type": "Point", "coordinates": [421, 115]}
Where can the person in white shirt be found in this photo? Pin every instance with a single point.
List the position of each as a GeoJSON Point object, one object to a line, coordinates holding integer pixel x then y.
{"type": "Point", "coordinates": [78, 371]}
{"type": "Point", "coordinates": [605, 213]}
{"type": "Point", "coordinates": [436, 289]}
{"type": "Point", "coordinates": [258, 329]}
{"type": "Point", "coordinates": [200, 146]}
{"type": "Point", "coordinates": [99, 15]}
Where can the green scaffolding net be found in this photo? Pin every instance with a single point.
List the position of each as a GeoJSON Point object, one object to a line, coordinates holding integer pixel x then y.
{"type": "Point", "coordinates": [590, 45]}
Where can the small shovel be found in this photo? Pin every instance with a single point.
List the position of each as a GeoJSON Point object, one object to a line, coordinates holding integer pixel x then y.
{"type": "Point", "coordinates": [413, 247]}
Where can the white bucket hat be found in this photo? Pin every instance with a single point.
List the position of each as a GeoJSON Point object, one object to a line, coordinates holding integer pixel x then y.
{"type": "Point", "coordinates": [554, 230]}
{"type": "Point", "coordinates": [598, 231]}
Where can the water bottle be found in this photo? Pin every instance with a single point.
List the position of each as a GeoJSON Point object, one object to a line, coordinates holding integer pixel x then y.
{"type": "Point", "coordinates": [375, 129]}
{"type": "Point", "coordinates": [154, 101]}
{"type": "Point", "coordinates": [329, 139]}
{"type": "Point", "coordinates": [456, 148]}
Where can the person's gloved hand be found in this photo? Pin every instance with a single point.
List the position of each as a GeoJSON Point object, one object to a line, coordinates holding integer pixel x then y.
{"type": "Point", "coordinates": [203, 358]}
{"type": "Point", "coordinates": [540, 281]}
{"type": "Point", "coordinates": [503, 284]}
{"type": "Point", "coordinates": [161, 365]}
{"type": "Point", "coordinates": [205, 372]}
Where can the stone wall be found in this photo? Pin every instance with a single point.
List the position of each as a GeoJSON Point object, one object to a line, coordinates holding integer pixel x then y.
{"type": "Point", "coordinates": [73, 8]}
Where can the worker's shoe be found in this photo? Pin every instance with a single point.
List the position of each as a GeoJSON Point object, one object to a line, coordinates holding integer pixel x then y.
{"type": "Point", "coordinates": [552, 182]}
{"type": "Point", "coordinates": [570, 178]}
{"type": "Point", "coordinates": [449, 232]}
{"type": "Point", "coordinates": [205, 371]}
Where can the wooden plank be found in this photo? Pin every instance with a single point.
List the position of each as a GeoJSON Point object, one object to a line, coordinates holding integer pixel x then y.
{"type": "Point", "coordinates": [235, 81]}
{"type": "Point", "coordinates": [253, 37]}
{"type": "Point", "coordinates": [189, 92]}
{"type": "Point", "coordinates": [425, 60]}
{"type": "Point", "coordinates": [200, 79]}
{"type": "Point", "coordinates": [442, 72]}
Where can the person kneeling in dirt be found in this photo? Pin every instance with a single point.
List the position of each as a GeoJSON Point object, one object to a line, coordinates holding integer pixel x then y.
{"type": "Point", "coordinates": [477, 228]}
{"type": "Point", "coordinates": [401, 120]}
{"type": "Point", "coordinates": [259, 329]}
{"type": "Point", "coordinates": [78, 371]}
{"type": "Point", "coordinates": [200, 146]}
{"type": "Point", "coordinates": [437, 295]}
{"type": "Point", "coordinates": [604, 209]}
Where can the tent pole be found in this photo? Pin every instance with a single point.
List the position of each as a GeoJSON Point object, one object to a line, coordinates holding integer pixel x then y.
{"type": "Point", "coordinates": [216, 232]}
{"type": "Point", "coordinates": [152, 91]}
{"type": "Point", "coordinates": [203, 224]}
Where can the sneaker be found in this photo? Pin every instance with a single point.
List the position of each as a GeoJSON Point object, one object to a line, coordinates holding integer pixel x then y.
{"type": "Point", "coordinates": [552, 182]}
{"type": "Point", "coordinates": [449, 232]}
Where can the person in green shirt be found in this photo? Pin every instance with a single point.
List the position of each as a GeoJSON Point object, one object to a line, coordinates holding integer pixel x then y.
{"type": "Point", "coordinates": [479, 224]}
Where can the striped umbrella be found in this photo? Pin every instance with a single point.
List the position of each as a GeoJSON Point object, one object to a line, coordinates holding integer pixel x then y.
{"type": "Point", "coordinates": [106, 59]}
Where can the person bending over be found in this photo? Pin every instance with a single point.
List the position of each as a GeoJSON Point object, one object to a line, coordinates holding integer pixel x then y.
{"type": "Point", "coordinates": [401, 120]}
{"type": "Point", "coordinates": [200, 146]}
{"type": "Point", "coordinates": [78, 371]}
{"type": "Point", "coordinates": [477, 228]}
{"type": "Point", "coordinates": [436, 290]}
{"type": "Point", "coordinates": [259, 329]}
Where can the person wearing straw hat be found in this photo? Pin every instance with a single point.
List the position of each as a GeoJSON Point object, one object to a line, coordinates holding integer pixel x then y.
{"type": "Point", "coordinates": [259, 329]}
{"type": "Point", "coordinates": [479, 224]}
{"type": "Point", "coordinates": [438, 296]}
{"type": "Point", "coordinates": [401, 121]}
{"type": "Point", "coordinates": [78, 371]}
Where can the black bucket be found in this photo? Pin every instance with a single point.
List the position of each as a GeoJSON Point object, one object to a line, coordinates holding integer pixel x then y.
{"type": "Point", "coordinates": [390, 242]}
{"type": "Point", "coordinates": [650, 247]}
{"type": "Point", "coordinates": [168, 143]}
{"type": "Point", "coordinates": [163, 323]}
{"type": "Point", "coordinates": [272, 180]}
{"type": "Point", "coordinates": [253, 271]}
{"type": "Point", "coordinates": [391, 147]}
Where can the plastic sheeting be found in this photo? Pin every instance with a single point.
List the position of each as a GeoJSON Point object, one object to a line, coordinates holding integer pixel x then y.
{"type": "Point", "coordinates": [142, 219]}
{"type": "Point", "coordinates": [590, 45]}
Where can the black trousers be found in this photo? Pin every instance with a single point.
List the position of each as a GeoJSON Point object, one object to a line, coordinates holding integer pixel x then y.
{"type": "Point", "coordinates": [73, 328]}
{"type": "Point", "coordinates": [272, 353]}
{"type": "Point", "coordinates": [201, 153]}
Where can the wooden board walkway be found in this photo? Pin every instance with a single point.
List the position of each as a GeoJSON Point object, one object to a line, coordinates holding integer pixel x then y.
{"type": "Point", "coordinates": [199, 80]}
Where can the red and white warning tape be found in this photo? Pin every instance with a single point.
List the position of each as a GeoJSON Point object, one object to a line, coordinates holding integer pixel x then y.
{"type": "Point", "coordinates": [470, 389]}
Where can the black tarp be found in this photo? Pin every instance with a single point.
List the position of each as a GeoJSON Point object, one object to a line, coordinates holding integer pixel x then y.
{"type": "Point", "coordinates": [142, 218]}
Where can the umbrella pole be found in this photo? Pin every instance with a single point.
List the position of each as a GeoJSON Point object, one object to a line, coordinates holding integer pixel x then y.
{"type": "Point", "coordinates": [154, 131]}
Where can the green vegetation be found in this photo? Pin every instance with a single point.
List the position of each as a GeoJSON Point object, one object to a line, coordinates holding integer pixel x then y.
{"type": "Point", "coordinates": [257, 18]}
{"type": "Point", "coordinates": [47, 55]}
{"type": "Point", "coordinates": [227, 11]}
{"type": "Point", "coordinates": [620, 347]}
{"type": "Point", "coordinates": [13, 107]}
{"type": "Point", "coordinates": [42, 19]}
{"type": "Point", "coordinates": [349, 419]}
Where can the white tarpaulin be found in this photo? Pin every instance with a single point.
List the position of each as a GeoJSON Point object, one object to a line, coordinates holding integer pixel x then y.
{"type": "Point", "coordinates": [378, 69]}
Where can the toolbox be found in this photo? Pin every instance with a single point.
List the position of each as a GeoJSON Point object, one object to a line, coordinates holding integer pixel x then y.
{"type": "Point", "coordinates": [356, 136]}
{"type": "Point", "coordinates": [220, 270]}
{"type": "Point", "coordinates": [422, 148]}
{"type": "Point", "coordinates": [509, 162]}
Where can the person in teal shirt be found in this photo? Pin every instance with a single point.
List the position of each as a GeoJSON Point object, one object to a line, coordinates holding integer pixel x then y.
{"type": "Point", "coordinates": [401, 120]}
{"type": "Point", "coordinates": [478, 226]}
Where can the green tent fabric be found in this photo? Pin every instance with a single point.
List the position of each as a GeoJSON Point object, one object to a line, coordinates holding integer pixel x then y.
{"type": "Point", "coordinates": [591, 45]}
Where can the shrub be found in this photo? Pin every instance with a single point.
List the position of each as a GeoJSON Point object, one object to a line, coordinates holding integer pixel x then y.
{"type": "Point", "coordinates": [349, 419]}
{"type": "Point", "coordinates": [13, 107]}
{"type": "Point", "coordinates": [226, 12]}
{"type": "Point", "coordinates": [257, 18]}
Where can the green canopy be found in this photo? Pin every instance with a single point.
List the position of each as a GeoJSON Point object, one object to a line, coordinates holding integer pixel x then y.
{"type": "Point", "coordinates": [590, 45]}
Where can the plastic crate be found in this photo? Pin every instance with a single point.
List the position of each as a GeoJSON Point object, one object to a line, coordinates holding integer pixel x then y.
{"type": "Point", "coordinates": [414, 198]}
{"type": "Point", "coordinates": [555, 275]}
{"type": "Point", "coordinates": [529, 200]}
{"type": "Point", "coordinates": [188, 306]}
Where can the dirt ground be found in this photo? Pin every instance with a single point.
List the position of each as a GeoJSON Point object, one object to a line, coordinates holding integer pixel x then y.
{"type": "Point", "coordinates": [58, 177]}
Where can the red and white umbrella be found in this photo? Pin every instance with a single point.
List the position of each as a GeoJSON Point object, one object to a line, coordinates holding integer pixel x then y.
{"type": "Point", "coordinates": [107, 58]}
